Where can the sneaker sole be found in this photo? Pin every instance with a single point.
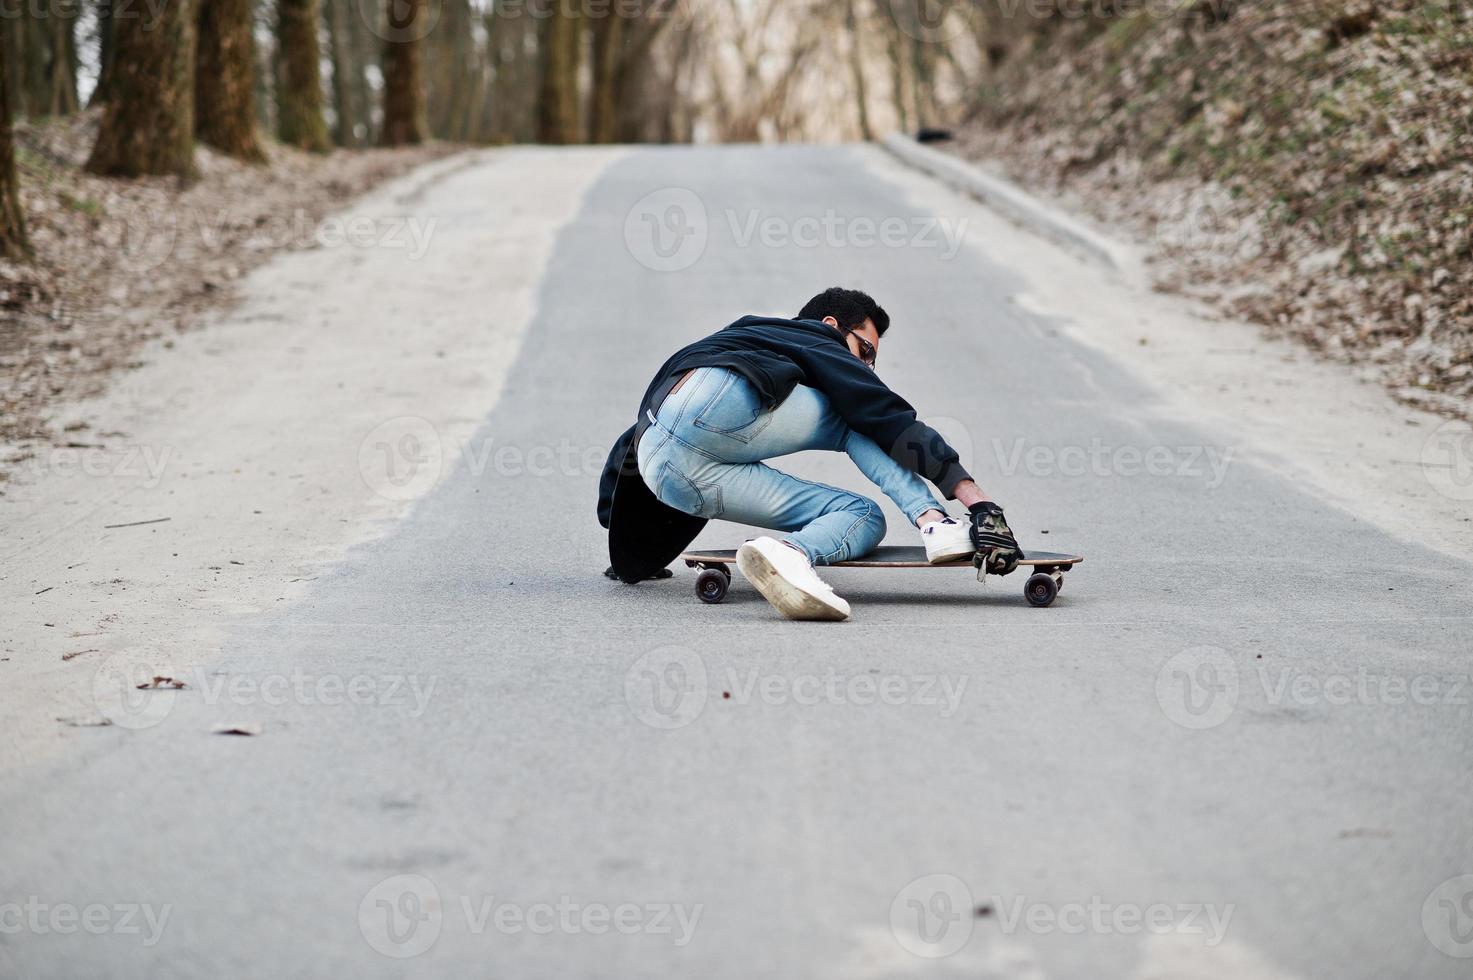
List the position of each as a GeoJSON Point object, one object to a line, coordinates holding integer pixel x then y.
{"type": "Point", "coordinates": [948, 556]}
{"type": "Point", "coordinates": [786, 598]}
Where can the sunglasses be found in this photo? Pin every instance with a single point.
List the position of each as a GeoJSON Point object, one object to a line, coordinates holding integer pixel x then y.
{"type": "Point", "coordinates": [867, 352]}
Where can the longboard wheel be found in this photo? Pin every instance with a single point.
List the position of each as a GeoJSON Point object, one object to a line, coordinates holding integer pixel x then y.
{"type": "Point", "coordinates": [1041, 589]}
{"type": "Point", "coordinates": [711, 585]}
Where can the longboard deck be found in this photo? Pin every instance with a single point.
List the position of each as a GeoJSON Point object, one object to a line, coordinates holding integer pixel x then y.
{"type": "Point", "coordinates": [896, 556]}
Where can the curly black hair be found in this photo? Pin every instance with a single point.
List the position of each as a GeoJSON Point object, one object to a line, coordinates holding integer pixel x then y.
{"type": "Point", "coordinates": [849, 306]}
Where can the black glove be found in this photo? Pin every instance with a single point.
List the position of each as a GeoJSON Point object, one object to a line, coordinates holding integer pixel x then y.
{"type": "Point", "coordinates": [993, 539]}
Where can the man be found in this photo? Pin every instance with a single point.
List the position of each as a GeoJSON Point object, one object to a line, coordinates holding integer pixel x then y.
{"type": "Point", "coordinates": [766, 387]}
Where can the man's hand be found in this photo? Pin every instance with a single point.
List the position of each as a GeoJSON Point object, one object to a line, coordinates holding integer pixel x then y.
{"type": "Point", "coordinates": [994, 539]}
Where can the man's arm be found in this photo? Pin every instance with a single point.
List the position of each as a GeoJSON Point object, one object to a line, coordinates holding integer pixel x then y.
{"type": "Point", "coordinates": [870, 408]}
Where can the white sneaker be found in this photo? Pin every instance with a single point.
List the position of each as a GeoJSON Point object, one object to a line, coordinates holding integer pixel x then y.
{"type": "Point", "coordinates": [947, 540]}
{"type": "Point", "coordinates": [786, 579]}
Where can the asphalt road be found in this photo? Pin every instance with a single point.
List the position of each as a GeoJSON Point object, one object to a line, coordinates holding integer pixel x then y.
{"type": "Point", "coordinates": [1239, 744]}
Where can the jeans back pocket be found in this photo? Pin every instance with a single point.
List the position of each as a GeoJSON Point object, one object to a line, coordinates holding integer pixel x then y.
{"type": "Point", "coordinates": [734, 411]}
{"type": "Point", "coordinates": [677, 490]}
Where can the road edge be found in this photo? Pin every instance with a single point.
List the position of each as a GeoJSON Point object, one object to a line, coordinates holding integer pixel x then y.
{"type": "Point", "coordinates": [1012, 201]}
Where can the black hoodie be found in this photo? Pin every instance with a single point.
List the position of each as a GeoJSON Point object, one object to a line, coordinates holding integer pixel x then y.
{"type": "Point", "coordinates": [775, 355]}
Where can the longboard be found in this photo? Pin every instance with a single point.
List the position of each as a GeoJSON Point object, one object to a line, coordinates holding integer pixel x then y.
{"type": "Point", "coordinates": [1040, 589]}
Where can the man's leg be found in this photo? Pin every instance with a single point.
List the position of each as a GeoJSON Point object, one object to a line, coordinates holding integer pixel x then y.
{"type": "Point", "coordinates": [826, 523]}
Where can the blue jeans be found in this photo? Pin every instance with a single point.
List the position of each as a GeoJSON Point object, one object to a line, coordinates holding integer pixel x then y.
{"type": "Point", "coordinates": [703, 456]}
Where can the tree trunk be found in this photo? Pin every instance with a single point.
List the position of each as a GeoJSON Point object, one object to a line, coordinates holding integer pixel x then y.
{"type": "Point", "coordinates": [404, 96]}
{"type": "Point", "coordinates": [224, 80]}
{"type": "Point", "coordinates": [366, 52]}
{"type": "Point", "coordinates": [557, 101]}
{"type": "Point", "coordinates": [608, 52]}
{"type": "Point", "coordinates": [148, 127]}
{"type": "Point", "coordinates": [104, 53]}
{"type": "Point", "coordinates": [13, 243]}
{"type": "Point", "coordinates": [299, 119]}
{"type": "Point", "coordinates": [513, 100]}
{"type": "Point", "coordinates": [63, 64]}
{"type": "Point", "coordinates": [348, 113]}
{"type": "Point", "coordinates": [856, 68]}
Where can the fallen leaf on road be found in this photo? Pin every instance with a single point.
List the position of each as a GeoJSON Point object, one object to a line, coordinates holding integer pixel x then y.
{"type": "Point", "coordinates": [236, 730]}
{"type": "Point", "coordinates": [161, 682]}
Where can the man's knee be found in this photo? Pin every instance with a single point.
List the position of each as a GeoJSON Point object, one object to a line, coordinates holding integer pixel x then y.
{"type": "Point", "coordinates": [871, 530]}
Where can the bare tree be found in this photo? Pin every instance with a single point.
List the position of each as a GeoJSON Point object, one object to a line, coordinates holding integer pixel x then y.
{"type": "Point", "coordinates": [350, 111]}
{"type": "Point", "coordinates": [404, 96]}
{"type": "Point", "coordinates": [148, 126]}
{"type": "Point", "coordinates": [104, 29]}
{"type": "Point", "coordinates": [856, 67]}
{"type": "Point", "coordinates": [299, 119]}
{"type": "Point", "coordinates": [224, 80]}
{"type": "Point", "coordinates": [13, 244]}
{"type": "Point", "coordinates": [557, 99]}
